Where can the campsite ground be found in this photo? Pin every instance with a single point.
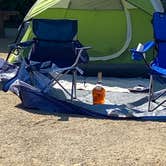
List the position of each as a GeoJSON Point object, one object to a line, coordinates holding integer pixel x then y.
{"type": "Point", "coordinates": [28, 138]}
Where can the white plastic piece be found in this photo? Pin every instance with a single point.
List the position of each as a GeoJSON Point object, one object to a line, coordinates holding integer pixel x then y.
{"type": "Point", "coordinates": [140, 47]}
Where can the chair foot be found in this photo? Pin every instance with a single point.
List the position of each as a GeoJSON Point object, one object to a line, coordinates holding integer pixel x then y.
{"type": "Point", "coordinates": [150, 98]}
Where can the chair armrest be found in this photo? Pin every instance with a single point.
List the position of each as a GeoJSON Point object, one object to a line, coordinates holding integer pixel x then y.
{"type": "Point", "coordinates": [20, 45]}
{"type": "Point", "coordinates": [83, 48]}
{"type": "Point", "coordinates": [80, 51]}
{"type": "Point", "coordinates": [148, 45]}
{"type": "Point", "coordinates": [139, 52]}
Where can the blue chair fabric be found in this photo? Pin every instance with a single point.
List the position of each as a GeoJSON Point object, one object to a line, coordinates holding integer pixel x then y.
{"type": "Point", "coordinates": [159, 24]}
{"type": "Point", "coordinates": [62, 54]}
{"type": "Point", "coordinates": [55, 30]}
{"type": "Point", "coordinates": [54, 41]}
{"type": "Point", "coordinates": [157, 67]}
{"type": "Point", "coordinates": [159, 28]}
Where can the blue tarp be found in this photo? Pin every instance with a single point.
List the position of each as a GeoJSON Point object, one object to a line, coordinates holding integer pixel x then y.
{"type": "Point", "coordinates": [29, 88]}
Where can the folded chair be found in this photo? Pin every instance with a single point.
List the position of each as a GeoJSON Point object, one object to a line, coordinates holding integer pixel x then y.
{"type": "Point", "coordinates": [157, 68]}
{"type": "Point", "coordinates": [55, 51]}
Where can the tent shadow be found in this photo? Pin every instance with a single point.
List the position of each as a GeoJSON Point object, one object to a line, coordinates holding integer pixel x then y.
{"type": "Point", "coordinates": [67, 116]}
{"type": "Point", "coordinates": [62, 116]}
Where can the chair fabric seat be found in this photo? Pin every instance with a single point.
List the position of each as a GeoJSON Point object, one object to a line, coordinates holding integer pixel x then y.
{"type": "Point", "coordinates": [159, 24]}
{"type": "Point", "coordinates": [55, 41]}
{"type": "Point", "coordinates": [160, 59]}
{"type": "Point", "coordinates": [63, 54]}
{"type": "Point", "coordinates": [157, 69]}
{"type": "Point", "coordinates": [55, 30]}
{"type": "Point", "coordinates": [158, 66]}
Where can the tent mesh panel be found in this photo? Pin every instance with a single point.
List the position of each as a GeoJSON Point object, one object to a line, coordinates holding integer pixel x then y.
{"type": "Point", "coordinates": [95, 4]}
{"type": "Point", "coordinates": [90, 4]}
{"type": "Point", "coordinates": [143, 4]}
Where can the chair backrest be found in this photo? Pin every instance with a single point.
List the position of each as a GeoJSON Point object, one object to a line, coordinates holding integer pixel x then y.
{"type": "Point", "coordinates": [55, 30]}
{"type": "Point", "coordinates": [55, 41]}
{"type": "Point", "coordinates": [159, 28]}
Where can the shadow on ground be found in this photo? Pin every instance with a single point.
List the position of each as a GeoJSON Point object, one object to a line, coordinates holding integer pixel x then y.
{"type": "Point", "coordinates": [65, 117]}
{"type": "Point", "coordinates": [62, 116]}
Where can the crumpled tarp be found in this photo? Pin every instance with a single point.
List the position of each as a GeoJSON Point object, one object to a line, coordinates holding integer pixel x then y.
{"type": "Point", "coordinates": [7, 71]}
{"type": "Point", "coordinates": [33, 92]}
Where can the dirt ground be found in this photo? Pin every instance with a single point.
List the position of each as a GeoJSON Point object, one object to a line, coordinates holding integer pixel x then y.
{"type": "Point", "coordinates": [30, 138]}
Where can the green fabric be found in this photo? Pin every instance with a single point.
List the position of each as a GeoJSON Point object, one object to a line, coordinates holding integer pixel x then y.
{"type": "Point", "coordinates": [104, 30]}
{"type": "Point", "coordinates": [95, 4]}
{"type": "Point", "coordinates": [141, 34]}
{"type": "Point", "coordinates": [42, 5]}
{"type": "Point", "coordinates": [146, 5]}
{"type": "Point", "coordinates": [105, 36]}
{"type": "Point", "coordinates": [96, 28]}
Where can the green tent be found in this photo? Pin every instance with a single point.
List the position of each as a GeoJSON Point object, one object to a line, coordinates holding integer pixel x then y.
{"type": "Point", "coordinates": [111, 27]}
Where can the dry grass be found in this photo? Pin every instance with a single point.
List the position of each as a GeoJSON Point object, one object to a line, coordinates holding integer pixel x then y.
{"type": "Point", "coordinates": [33, 139]}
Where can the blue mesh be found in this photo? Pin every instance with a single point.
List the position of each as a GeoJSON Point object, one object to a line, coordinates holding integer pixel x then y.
{"type": "Point", "coordinates": [53, 29]}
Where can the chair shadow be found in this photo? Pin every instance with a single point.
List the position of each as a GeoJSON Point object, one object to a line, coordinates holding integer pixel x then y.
{"type": "Point", "coordinates": [137, 103]}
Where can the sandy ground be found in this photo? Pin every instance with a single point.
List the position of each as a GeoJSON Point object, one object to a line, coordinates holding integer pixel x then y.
{"type": "Point", "coordinates": [32, 139]}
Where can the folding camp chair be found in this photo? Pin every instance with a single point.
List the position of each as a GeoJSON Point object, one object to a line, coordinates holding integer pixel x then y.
{"type": "Point", "coordinates": [56, 45]}
{"type": "Point", "coordinates": [156, 68]}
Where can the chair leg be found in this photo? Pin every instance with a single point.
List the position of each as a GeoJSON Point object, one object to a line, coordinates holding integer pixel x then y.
{"type": "Point", "coordinates": [158, 105]}
{"type": "Point", "coordinates": [73, 89]}
{"type": "Point", "coordinates": [73, 96]}
{"type": "Point", "coordinates": [151, 93]}
{"type": "Point", "coordinates": [75, 84]}
{"type": "Point", "coordinates": [157, 97]}
{"type": "Point", "coordinates": [152, 98]}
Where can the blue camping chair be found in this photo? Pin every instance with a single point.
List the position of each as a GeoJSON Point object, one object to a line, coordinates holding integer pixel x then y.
{"type": "Point", "coordinates": [158, 66]}
{"type": "Point", "coordinates": [56, 46]}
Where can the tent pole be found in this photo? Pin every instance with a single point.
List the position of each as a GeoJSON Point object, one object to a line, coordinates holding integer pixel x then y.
{"type": "Point", "coordinates": [157, 5]}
